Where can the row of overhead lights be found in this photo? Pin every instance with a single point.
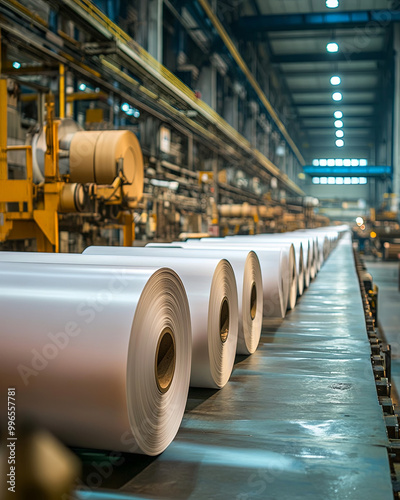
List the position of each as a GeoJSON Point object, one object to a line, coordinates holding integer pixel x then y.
{"type": "Point", "coordinates": [337, 97]}
{"type": "Point", "coordinates": [340, 162]}
{"type": "Point", "coordinates": [333, 47]}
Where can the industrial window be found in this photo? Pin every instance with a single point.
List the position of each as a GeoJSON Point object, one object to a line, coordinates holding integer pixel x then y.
{"type": "Point", "coordinates": [339, 162]}
{"type": "Point", "coordinates": [339, 180]}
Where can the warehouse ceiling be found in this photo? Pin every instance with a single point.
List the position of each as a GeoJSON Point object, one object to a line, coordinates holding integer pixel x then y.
{"type": "Point", "coordinates": [297, 33]}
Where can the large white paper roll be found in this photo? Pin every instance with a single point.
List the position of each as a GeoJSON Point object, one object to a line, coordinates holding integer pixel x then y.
{"type": "Point", "coordinates": [306, 244]}
{"type": "Point", "coordinates": [213, 299]}
{"type": "Point", "coordinates": [318, 262]}
{"type": "Point", "coordinates": [275, 269]}
{"type": "Point", "coordinates": [301, 247]}
{"type": "Point", "coordinates": [247, 271]}
{"type": "Point", "coordinates": [246, 267]}
{"type": "Point", "coordinates": [99, 355]}
{"type": "Point", "coordinates": [314, 249]}
{"type": "Point", "coordinates": [288, 271]}
{"type": "Point", "coordinates": [322, 245]}
{"type": "Point", "coordinates": [212, 293]}
{"type": "Point", "coordinates": [325, 239]}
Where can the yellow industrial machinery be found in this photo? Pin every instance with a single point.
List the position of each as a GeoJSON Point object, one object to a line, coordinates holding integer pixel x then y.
{"type": "Point", "coordinates": [103, 169]}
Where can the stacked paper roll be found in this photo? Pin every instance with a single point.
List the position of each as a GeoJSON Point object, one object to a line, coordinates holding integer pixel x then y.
{"type": "Point", "coordinates": [99, 355]}
{"type": "Point", "coordinates": [325, 239]}
{"type": "Point", "coordinates": [288, 271]}
{"type": "Point", "coordinates": [211, 289]}
{"type": "Point", "coordinates": [301, 248]}
{"type": "Point", "coordinates": [314, 247]}
{"type": "Point", "coordinates": [277, 268]}
{"type": "Point", "coordinates": [247, 271]}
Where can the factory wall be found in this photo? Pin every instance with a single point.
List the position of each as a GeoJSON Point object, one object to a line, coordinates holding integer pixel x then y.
{"type": "Point", "coordinates": [342, 192]}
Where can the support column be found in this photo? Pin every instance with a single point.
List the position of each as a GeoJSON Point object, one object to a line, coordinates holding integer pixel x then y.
{"type": "Point", "coordinates": [231, 111]}
{"type": "Point", "coordinates": [207, 84]}
{"type": "Point", "coordinates": [396, 131]}
{"type": "Point", "coordinates": [250, 130]}
{"type": "Point", "coordinates": [155, 29]}
{"type": "Point", "coordinates": [3, 124]}
{"type": "Point", "coordinates": [250, 125]}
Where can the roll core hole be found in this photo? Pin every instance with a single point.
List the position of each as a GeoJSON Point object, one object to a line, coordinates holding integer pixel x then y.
{"type": "Point", "coordinates": [224, 320]}
{"type": "Point", "coordinates": [253, 301]}
{"type": "Point", "coordinates": [165, 360]}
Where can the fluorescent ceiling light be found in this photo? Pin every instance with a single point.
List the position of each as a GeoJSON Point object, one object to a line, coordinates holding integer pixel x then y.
{"type": "Point", "coordinates": [335, 80]}
{"type": "Point", "coordinates": [332, 47]}
{"type": "Point", "coordinates": [332, 4]}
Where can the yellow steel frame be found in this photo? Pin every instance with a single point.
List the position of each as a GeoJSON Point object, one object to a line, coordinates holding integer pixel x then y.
{"type": "Point", "coordinates": [28, 222]}
{"type": "Point", "coordinates": [37, 216]}
{"type": "Point", "coordinates": [40, 223]}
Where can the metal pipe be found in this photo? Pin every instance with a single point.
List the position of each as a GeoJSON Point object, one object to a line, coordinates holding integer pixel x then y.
{"type": "Point", "coordinates": [61, 99]}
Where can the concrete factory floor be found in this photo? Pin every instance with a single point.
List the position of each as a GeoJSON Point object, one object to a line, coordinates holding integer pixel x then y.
{"type": "Point", "coordinates": [299, 419]}
{"type": "Point", "coordinates": [386, 276]}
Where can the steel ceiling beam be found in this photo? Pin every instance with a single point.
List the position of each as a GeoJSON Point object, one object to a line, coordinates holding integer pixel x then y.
{"type": "Point", "coordinates": [330, 90]}
{"type": "Point", "coordinates": [331, 118]}
{"type": "Point", "coordinates": [348, 72]}
{"type": "Point", "coordinates": [277, 36]}
{"type": "Point", "coordinates": [333, 105]}
{"type": "Point", "coordinates": [331, 128]}
{"type": "Point", "coordinates": [249, 27]}
{"type": "Point", "coordinates": [345, 117]}
{"type": "Point", "coordinates": [325, 57]}
{"type": "Point", "coordinates": [370, 171]}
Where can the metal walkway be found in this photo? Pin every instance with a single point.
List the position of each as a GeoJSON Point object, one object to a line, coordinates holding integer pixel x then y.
{"type": "Point", "coordinates": [299, 419]}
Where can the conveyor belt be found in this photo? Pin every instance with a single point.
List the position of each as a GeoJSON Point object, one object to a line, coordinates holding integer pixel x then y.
{"type": "Point", "coordinates": [299, 419]}
{"type": "Point", "coordinates": [386, 276]}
